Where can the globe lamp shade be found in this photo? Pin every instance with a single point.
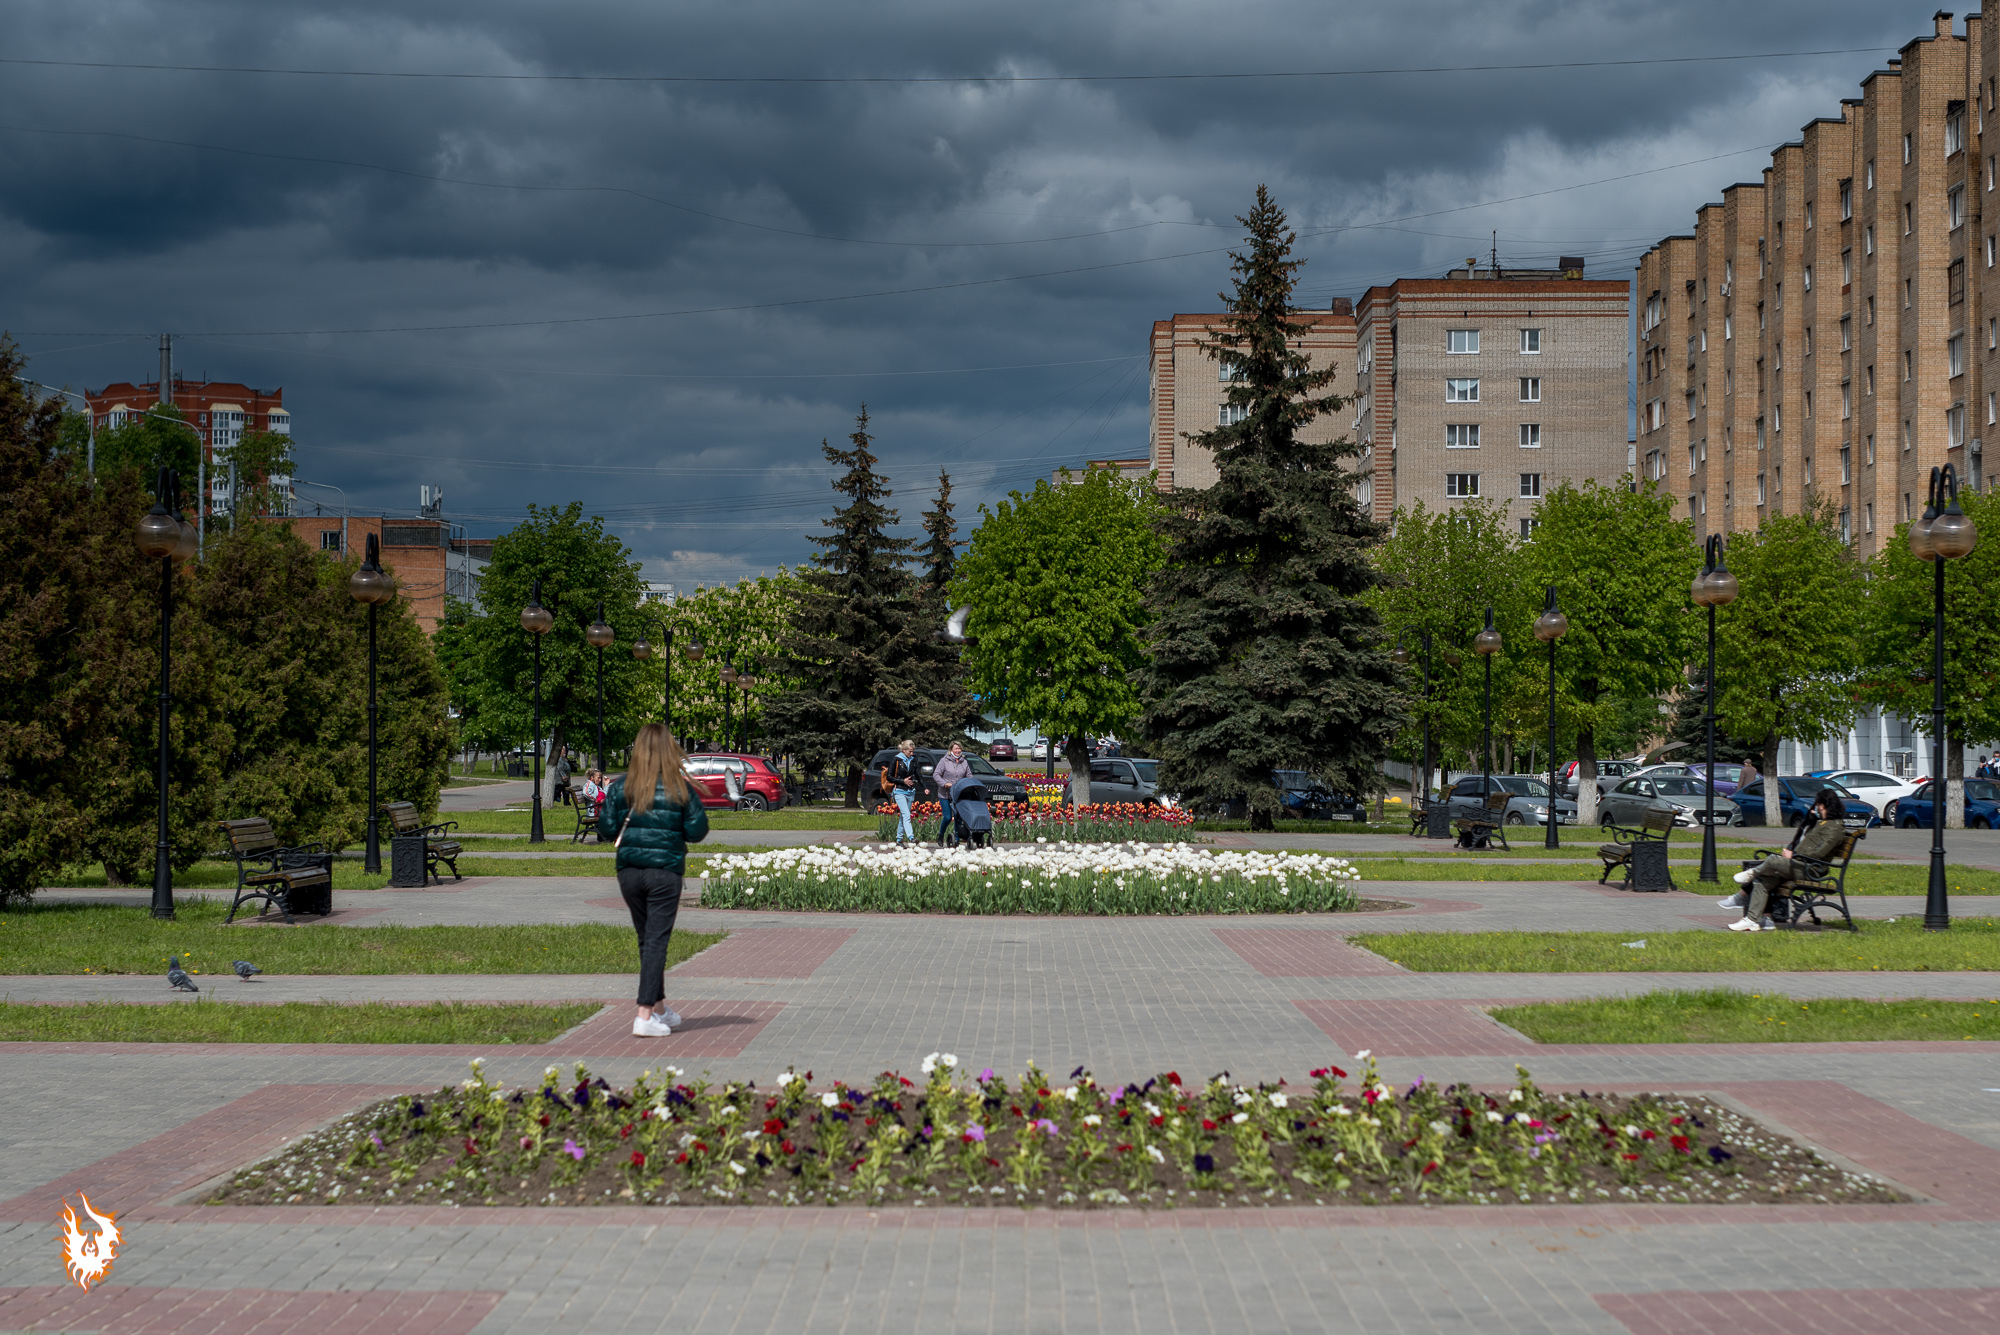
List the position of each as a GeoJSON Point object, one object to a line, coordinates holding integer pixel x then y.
{"type": "Point", "coordinates": [1721, 586]}
{"type": "Point", "coordinates": [370, 585]}
{"type": "Point", "coordinates": [158, 533]}
{"type": "Point", "coordinates": [188, 543]}
{"type": "Point", "coordinates": [1551, 625]}
{"type": "Point", "coordinates": [1920, 537]}
{"type": "Point", "coordinates": [599, 636]}
{"type": "Point", "coordinates": [536, 619]}
{"type": "Point", "coordinates": [642, 649]}
{"type": "Point", "coordinates": [1486, 642]}
{"type": "Point", "coordinates": [1952, 534]}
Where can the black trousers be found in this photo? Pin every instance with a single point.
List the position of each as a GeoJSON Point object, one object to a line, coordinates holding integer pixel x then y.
{"type": "Point", "coordinates": [653, 894]}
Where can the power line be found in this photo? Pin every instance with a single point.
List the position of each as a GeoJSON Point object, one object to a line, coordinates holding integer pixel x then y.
{"type": "Point", "coordinates": [497, 77]}
{"type": "Point", "coordinates": [900, 291]}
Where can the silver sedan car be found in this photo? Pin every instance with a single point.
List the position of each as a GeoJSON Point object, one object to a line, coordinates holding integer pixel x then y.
{"type": "Point", "coordinates": [1627, 803]}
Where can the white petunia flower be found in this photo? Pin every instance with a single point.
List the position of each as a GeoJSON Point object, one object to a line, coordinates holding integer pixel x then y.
{"type": "Point", "coordinates": [1153, 1153]}
{"type": "Point", "coordinates": [829, 1100]}
{"type": "Point", "coordinates": [1240, 1118]}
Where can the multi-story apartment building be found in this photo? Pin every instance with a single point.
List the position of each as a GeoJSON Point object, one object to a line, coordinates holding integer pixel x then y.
{"type": "Point", "coordinates": [1828, 334]}
{"type": "Point", "coordinates": [1189, 388]}
{"type": "Point", "coordinates": [1491, 384]}
{"type": "Point", "coordinates": [220, 411]}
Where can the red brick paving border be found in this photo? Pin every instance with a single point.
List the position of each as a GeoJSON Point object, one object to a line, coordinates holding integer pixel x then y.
{"type": "Point", "coordinates": [766, 952]}
{"type": "Point", "coordinates": [117, 1309]}
{"type": "Point", "coordinates": [1822, 1311]}
{"type": "Point", "coordinates": [1415, 1028]}
{"type": "Point", "coordinates": [1286, 952]}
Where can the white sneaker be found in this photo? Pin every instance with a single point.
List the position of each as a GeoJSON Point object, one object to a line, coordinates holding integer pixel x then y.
{"type": "Point", "coordinates": [1744, 925]}
{"type": "Point", "coordinates": [668, 1015]}
{"type": "Point", "coordinates": [1743, 877]}
{"type": "Point", "coordinates": [1735, 901]}
{"type": "Point", "coordinates": [651, 1026]}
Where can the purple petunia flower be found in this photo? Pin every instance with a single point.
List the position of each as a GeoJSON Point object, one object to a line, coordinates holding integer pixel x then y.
{"type": "Point", "coordinates": [986, 1074]}
{"type": "Point", "coordinates": [573, 1150]}
{"type": "Point", "coordinates": [1046, 1125]}
{"type": "Point", "coordinates": [1204, 1163]}
{"type": "Point", "coordinates": [1718, 1154]}
{"type": "Point", "coordinates": [976, 1134]}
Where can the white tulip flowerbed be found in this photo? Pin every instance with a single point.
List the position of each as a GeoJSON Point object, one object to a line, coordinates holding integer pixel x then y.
{"type": "Point", "coordinates": [1044, 878]}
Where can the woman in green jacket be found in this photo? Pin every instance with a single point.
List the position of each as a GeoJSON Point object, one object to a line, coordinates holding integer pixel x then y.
{"type": "Point", "coordinates": [657, 826]}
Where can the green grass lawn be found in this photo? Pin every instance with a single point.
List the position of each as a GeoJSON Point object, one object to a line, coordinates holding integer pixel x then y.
{"type": "Point", "coordinates": [1972, 943]}
{"type": "Point", "coordinates": [203, 1021]}
{"type": "Point", "coordinates": [558, 822]}
{"type": "Point", "coordinates": [220, 875]}
{"type": "Point", "coordinates": [111, 938]}
{"type": "Point", "coordinates": [1722, 1015]}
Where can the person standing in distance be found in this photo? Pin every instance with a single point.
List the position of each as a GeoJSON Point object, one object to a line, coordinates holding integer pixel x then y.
{"type": "Point", "coordinates": [899, 776]}
{"type": "Point", "coordinates": [949, 771]}
{"type": "Point", "coordinates": [653, 814]}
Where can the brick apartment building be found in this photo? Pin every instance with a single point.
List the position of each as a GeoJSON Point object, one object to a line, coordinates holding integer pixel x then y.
{"type": "Point", "coordinates": [1189, 386]}
{"type": "Point", "coordinates": [1832, 330]}
{"type": "Point", "coordinates": [427, 561]}
{"type": "Point", "coordinates": [1481, 384]}
{"type": "Point", "coordinates": [219, 410]}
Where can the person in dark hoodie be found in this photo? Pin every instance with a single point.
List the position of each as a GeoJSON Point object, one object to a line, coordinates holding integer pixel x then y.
{"type": "Point", "coordinates": [653, 813]}
{"type": "Point", "coordinates": [1817, 840]}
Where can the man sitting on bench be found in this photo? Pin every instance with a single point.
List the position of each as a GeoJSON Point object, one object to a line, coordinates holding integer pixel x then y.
{"type": "Point", "coordinates": [1818, 839]}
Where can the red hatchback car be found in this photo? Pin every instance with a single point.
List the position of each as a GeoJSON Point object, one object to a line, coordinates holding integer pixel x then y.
{"type": "Point", "coordinates": [1002, 748]}
{"type": "Point", "coordinates": [762, 786]}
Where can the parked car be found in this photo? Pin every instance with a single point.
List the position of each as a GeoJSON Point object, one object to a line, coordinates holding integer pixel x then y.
{"type": "Point", "coordinates": [1796, 798]}
{"type": "Point", "coordinates": [1872, 786]}
{"type": "Point", "coordinates": [1628, 803]}
{"type": "Point", "coordinates": [1123, 779]}
{"type": "Point", "coordinates": [762, 786]}
{"type": "Point", "coordinates": [1726, 778]}
{"type": "Point", "coordinates": [1040, 750]}
{"type": "Point", "coordinates": [1002, 748]}
{"type": "Point", "coordinates": [1003, 787]}
{"type": "Point", "coordinates": [1609, 772]}
{"type": "Point", "coordinates": [1304, 797]}
{"type": "Point", "coordinates": [1982, 807]}
{"type": "Point", "coordinates": [1529, 805]}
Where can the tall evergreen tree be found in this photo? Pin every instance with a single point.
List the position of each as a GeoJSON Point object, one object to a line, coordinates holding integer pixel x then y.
{"type": "Point", "coordinates": [853, 617]}
{"type": "Point", "coordinates": [1265, 653]}
{"type": "Point", "coordinates": [932, 696]}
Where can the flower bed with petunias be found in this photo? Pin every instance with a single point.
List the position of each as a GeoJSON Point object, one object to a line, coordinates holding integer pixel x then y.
{"type": "Point", "coordinates": [987, 1141]}
{"type": "Point", "coordinates": [1097, 823]}
{"type": "Point", "coordinates": [1042, 878]}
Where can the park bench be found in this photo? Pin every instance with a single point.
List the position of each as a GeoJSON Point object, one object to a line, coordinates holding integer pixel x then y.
{"type": "Point", "coordinates": [587, 812]}
{"type": "Point", "coordinates": [1643, 852]}
{"type": "Point", "coordinates": [297, 880]}
{"type": "Point", "coordinates": [406, 823]}
{"type": "Point", "coordinates": [1489, 825]}
{"type": "Point", "coordinates": [1815, 884]}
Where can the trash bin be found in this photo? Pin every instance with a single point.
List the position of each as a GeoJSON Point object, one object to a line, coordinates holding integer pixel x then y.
{"type": "Point", "coordinates": [1649, 867]}
{"type": "Point", "coordinates": [406, 861]}
{"type": "Point", "coordinates": [516, 770]}
{"type": "Point", "coordinates": [1437, 820]}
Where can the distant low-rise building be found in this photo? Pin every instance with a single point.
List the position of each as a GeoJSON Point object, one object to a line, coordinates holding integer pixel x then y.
{"type": "Point", "coordinates": [428, 562]}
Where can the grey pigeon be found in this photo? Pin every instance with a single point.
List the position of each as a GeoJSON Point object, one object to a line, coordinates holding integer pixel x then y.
{"type": "Point", "coordinates": [178, 976]}
{"type": "Point", "coordinates": [244, 968]}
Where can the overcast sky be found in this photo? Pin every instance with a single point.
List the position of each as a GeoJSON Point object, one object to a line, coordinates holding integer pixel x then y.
{"type": "Point", "coordinates": [657, 297]}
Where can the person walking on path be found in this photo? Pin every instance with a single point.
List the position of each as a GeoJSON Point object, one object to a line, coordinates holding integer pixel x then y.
{"type": "Point", "coordinates": [1816, 840]}
{"type": "Point", "coordinates": [899, 776]}
{"type": "Point", "coordinates": [653, 814]}
{"type": "Point", "coordinates": [949, 771]}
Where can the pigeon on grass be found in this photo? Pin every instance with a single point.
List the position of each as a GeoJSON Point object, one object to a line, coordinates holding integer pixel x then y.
{"type": "Point", "coordinates": [178, 976]}
{"type": "Point", "coordinates": [244, 968]}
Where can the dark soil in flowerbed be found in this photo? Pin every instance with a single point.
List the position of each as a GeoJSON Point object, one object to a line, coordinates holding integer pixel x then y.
{"type": "Point", "coordinates": [1040, 1142]}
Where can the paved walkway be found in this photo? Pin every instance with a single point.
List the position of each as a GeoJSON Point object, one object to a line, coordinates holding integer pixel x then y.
{"type": "Point", "coordinates": [140, 1126]}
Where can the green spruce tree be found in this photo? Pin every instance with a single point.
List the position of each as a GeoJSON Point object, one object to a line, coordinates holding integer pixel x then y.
{"type": "Point", "coordinates": [931, 690]}
{"type": "Point", "coordinates": [1265, 652]}
{"type": "Point", "coordinates": [851, 623]}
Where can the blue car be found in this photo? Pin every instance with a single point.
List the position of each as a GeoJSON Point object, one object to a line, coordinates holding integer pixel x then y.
{"type": "Point", "coordinates": [1982, 806]}
{"type": "Point", "coordinates": [1798, 794]}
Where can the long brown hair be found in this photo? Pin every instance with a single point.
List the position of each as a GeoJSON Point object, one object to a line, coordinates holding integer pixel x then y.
{"type": "Point", "coordinates": [656, 760]}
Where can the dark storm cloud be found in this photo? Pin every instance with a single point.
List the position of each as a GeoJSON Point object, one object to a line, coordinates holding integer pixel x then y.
{"type": "Point", "coordinates": [697, 435]}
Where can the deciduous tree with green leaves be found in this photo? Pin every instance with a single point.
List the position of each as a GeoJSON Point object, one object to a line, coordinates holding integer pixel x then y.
{"type": "Point", "coordinates": [1621, 564]}
{"type": "Point", "coordinates": [1056, 580]}
{"type": "Point", "coordinates": [1265, 653]}
{"type": "Point", "coordinates": [1786, 649]}
{"type": "Point", "coordinates": [1898, 641]}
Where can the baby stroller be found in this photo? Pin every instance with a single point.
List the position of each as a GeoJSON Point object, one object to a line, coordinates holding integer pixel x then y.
{"type": "Point", "coordinates": [971, 821]}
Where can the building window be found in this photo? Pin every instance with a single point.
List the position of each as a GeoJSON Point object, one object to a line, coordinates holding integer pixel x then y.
{"type": "Point", "coordinates": [1906, 363]}
{"type": "Point", "coordinates": [1531, 435]}
{"type": "Point", "coordinates": [1227, 371]}
{"type": "Point", "coordinates": [1846, 334]}
{"type": "Point", "coordinates": [1868, 239]}
{"type": "Point", "coordinates": [1809, 394]}
{"type": "Point", "coordinates": [1461, 486]}
{"type": "Point", "coordinates": [1690, 461]}
{"type": "Point", "coordinates": [1760, 317]}
{"type": "Point", "coordinates": [1461, 391]}
{"type": "Point", "coordinates": [1809, 217]}
{"type": "Point", "coordinates": [1846, 400]}
{"type": "Point", "coordinates": [1906, 148]}
{"type": "Point", "coordinates": [1528, 527]}
{"type": "Point", "coordinates": [1991, 406]}
{"type": "Point", "coordinates": [1868, 517]}
{"type": "Point", "coordinates": [1846, 267]}
{"type": "Point", "coordinates": [1808, 277]}
{"type": "Point", "coordinates": [1954, 132]}
{"type": "Point", "coordinates": [1531, 340]}
{"type": "Point", "coordinates": [1954, 427]}
{"type": "Point", "coordinates": [1991, 248]}
{"type": "Point", "coordinates": [1846, 528]}
{"type": "Point", "coordinates": [1909, 217]}
{"type": "Point", "coordinates": [1868, 380]}
{"type": "Point", "coordinates": [1531, 389]}
{"type": "Point", "coordinates": [1954, 354]}
{"type": "Point", "coordinates": [1809, 341]}
{"type": "Point", "coordinates": [1870, 308]}
{"type": "Point", "coordinates": [1954, 282]}
{"type": "Point", "coordinates": [1531, 486]}
{"type": "Point", "coordinates": [1461, 436]}
{"type": "Point", "coordinates": [1847, 199]}
{"type": "Point", "coordinates": [1906, 435]}
{"type": "Point", "coordinates": [1906, 507]}
{"type": "Point", "coordinates": [329, 540]}
{"type": "Point", "coordinates": [1461, 340]}
{"type": "Point", "coordinates": [1690, 405]}
{"type": "Point", "coordinates": [1229, 414]}
{"type": "Point", "coordinates": [1846, 465]}
{"type": "Point", "coordinates": [1868, 450]}
{"type": "Point", "coordinates": [1760, 489]}
{"type": "Point", "coordinates": [1690, 350]}
{"type": "Point", "coordinates": [1954, 207]}
{"type": "Point", "coordinates": [1868, 175]}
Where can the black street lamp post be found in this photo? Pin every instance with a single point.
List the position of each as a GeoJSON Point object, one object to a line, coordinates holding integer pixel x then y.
{"type": "Point", "coordinates": [1550, 626]}
{"type": "Point", "coordinates": [1486, 644]}
{"type": "Point", "coordinates": [164, 536]}
{"type": "Point", "coordinates": [1944, 533]}
{"type": "Point", "coordinates": [1714, 587]}
{"type": "Point", "coordinates": [369, 585]}
{"type": "Point", "coordinates": [537, 621]}
{"type": "Point", "coordinates": [600, 636]}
